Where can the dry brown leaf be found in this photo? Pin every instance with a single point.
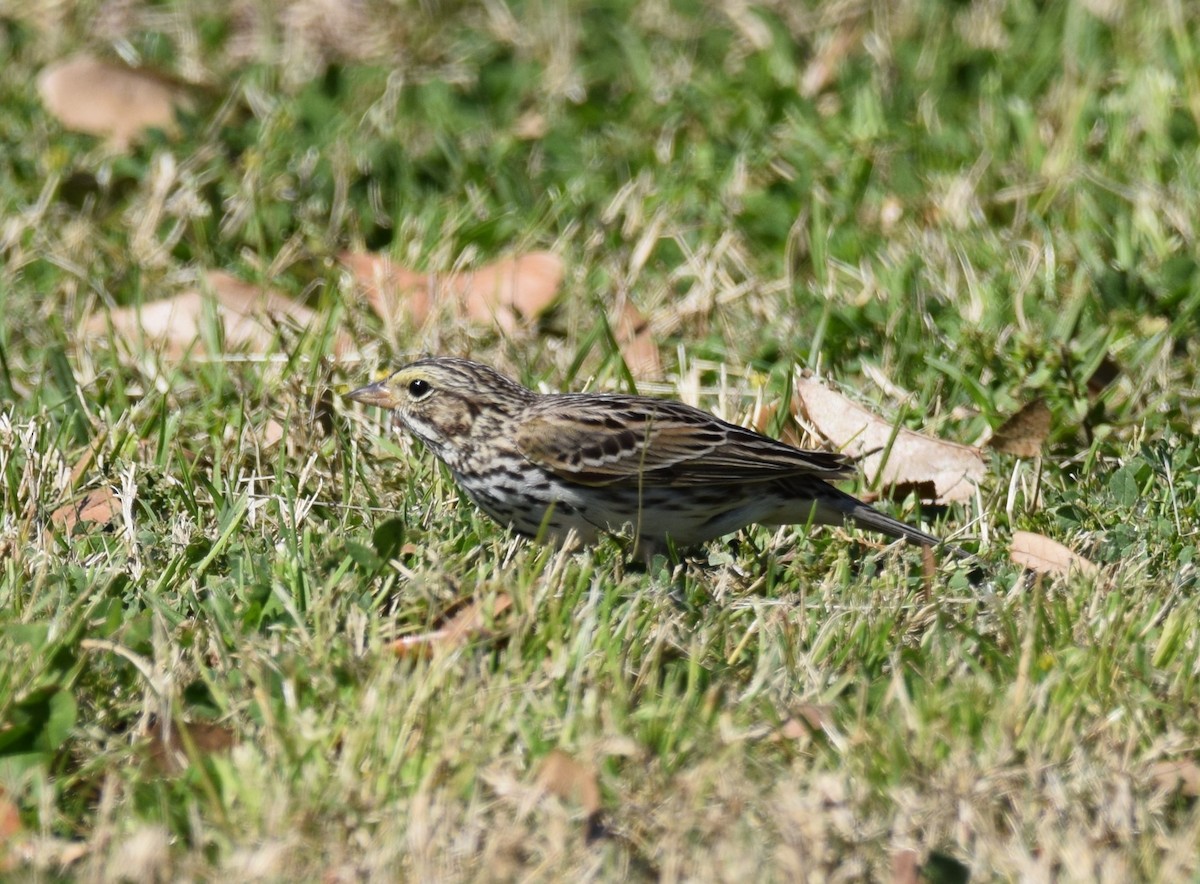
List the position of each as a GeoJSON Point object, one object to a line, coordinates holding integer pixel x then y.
{"type": "Point", "coordinates": [392, 291]}
{"type": "Point", "coordinates": [764, 414]}
{"type": "Point", "coordinates": [168, 746]}
{"type": "Point", "coordinates": [906, 866]}
{"type": "Point", "coordinates": [247, 313]}
{"type": "Point", "coordinates": [10, 829]}
{"type": "Point", "coordinates": [512, 291]}
{"type": "Point", "coordinates": [98, 507]}
{"type": "Point", "coordinates": [507, 293]}
{"type": "Point", "coordinates": [1025, 432]}
{"type": "Point", "coordinates": [110, 100]}
{"type": "Point", "coordinates": [10, 819]}
{"type": "Point", "coordinates": [568, 778]}
{"type": "Point", "coordinates": [1042, 555]}
{"type": "Point", "coordinates": [938, 470]}
{"type": "Point", "coordinates": [638, 347]}
{"type": "Point", "coordinates": [1182, 776]}
{"type": "Point", "coordinates": [565, 777]}
{"type": "Point", "coordinates": [466, 623]}
{"type": "Point", "coordinates": [270, 432]}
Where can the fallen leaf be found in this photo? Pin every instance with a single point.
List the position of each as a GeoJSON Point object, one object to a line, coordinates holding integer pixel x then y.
{"type": "Point", "coordinates": [763, 415]}
{"type": "Point", "coordinates": [939, 470]}
{"type": "Point", "coordinates": [570, 780]}
{"type": "Point", "coordinates": [637, 344]}
{"type": "Point", "coordinates": [269, 433]}
{"type": "Point", "coordinates": [168, 747]}
{"type": "Point", "coordinates": [110, 100]}
{"type": "Point", "coordinates": [1182, 776]}
{"type": "Point", "coordinates": [98, 507]}
{"type": "Point", "coordinates": [1042, 555]}
{"type": "Point", "coordinates": [565, 777]}
{"type": "Point", "coordinates": [507, 293]}
{"type": "Point", "coordinates": [906, 866]}
{"type": "Point", "coordinates": [10, 829]}
{"type": "Point", "coordinates": [10, 819]}
{"type": "Point", "coordinates": [392, 290]}
{"type": "Point", "coordinates": [1025, 432]}
{"type": "Point", "coordinates": [466, 623]}
{"type": "Point", "coordinates": [511, 291]}
{"type": "Point", "coordinates": [248, 315]}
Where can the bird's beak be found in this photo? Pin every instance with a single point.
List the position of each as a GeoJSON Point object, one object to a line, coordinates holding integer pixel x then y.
{"type": "Point", "coordinates": [374, 394]}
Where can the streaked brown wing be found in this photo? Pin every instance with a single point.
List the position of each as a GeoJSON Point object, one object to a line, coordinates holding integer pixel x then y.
{"type": "Point", "coordinates": [614, 440]}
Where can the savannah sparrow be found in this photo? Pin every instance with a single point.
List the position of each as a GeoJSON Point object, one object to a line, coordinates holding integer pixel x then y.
{"type": "Point", "coordinates": [547, 464]}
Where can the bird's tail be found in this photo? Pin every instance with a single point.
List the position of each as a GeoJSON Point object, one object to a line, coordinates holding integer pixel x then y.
{"type": "Point", "coordinates": [834, 507]}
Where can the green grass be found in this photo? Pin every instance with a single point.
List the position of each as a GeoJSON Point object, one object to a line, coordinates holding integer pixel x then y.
{"type": "Point", "coordinates": [985, 203]}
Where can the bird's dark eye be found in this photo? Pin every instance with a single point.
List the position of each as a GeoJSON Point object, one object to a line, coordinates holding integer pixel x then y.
{"type": "Point", "coordinates": [418, 388]}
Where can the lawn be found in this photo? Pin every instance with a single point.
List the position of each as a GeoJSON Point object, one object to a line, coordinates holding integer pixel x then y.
{"type": "Point", "coordinates": [247, 631]}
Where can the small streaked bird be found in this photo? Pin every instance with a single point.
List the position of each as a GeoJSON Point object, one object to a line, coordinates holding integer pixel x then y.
{"type": "Point", "coordinates": [548, 464]}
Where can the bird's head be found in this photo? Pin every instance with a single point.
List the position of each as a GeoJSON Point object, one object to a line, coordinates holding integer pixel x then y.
{"type": "Point", "coordinates": [441, 399]}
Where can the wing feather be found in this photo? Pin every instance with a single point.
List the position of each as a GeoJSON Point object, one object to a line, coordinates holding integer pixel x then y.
{"type": "Point", "coordinates": [602, 440]}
